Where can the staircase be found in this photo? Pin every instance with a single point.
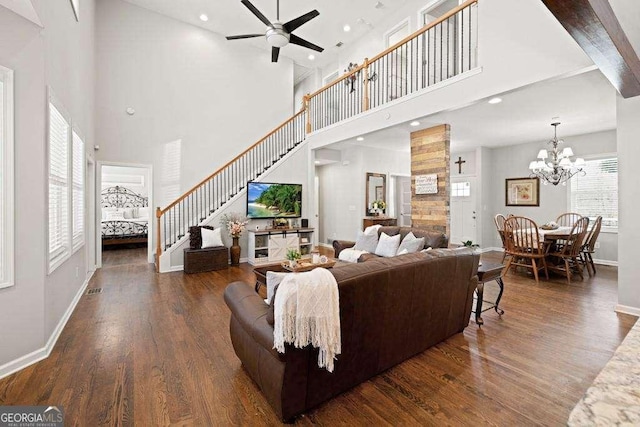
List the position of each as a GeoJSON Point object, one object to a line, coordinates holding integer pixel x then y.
{"type": "Point", "coordinates": [437, 52]}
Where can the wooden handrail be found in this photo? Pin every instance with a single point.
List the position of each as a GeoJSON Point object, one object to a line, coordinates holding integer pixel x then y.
{"type": "Point", "coordinates": [397, 45]}
{"type": "Point", "coordinates": [161, 212]}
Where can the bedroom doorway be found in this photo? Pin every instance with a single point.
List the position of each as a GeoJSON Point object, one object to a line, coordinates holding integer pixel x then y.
{"type": "Point", "coordinates": [124, 214]}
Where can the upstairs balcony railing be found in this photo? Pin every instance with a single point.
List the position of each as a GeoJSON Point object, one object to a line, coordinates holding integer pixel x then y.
{"type": "Point", "coordinates": [438, 51]}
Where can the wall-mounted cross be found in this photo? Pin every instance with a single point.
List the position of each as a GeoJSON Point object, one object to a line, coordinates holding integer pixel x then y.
{"type": "Point", "coordinates": [459, 163]}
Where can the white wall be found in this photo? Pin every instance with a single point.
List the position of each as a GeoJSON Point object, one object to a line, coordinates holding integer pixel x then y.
{"type": "Point", "coordinates": [60, 56]}
{"type": "Point", "coordinates": [186, 84]}
{"type": "Point", "coordinates": [628, 130]}
{"type": "Point", "coordinates": [342, 188]}
{"type": "Point", "coordinates": [513, 162]}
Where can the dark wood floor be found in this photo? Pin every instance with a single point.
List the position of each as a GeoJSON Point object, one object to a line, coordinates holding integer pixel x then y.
{"type": "Point", "coordinates": [119, 255]}
{"type": "Point", "coordinates": [159, 353]}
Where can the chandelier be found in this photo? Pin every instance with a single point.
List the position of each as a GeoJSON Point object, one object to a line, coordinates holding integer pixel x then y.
{"type": "Point", "coordinates": [554, 165]}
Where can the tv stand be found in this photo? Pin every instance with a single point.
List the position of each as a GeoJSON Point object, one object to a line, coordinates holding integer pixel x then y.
{"type": "Point", "coordinates": [270, 245]}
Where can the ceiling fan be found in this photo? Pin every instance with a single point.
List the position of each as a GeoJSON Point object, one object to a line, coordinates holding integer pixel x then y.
{"type": "Point", "coordinates": [278, 34]}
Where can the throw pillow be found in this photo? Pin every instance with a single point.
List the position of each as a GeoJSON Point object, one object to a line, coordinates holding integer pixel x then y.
{"type": "Point", "coordinates": [426, 250]}
{"type": "Point", "coordinates": [372, 229]}
{"type": "Point", "coordinates": [105, 211]}
{"type": "Point", "coordinates": [143, 212]}
{"type": "Point", "coordinates": [115, 216]}
{"type": "Point", "coordinates": [387, 245]}
{"type": "Point", "coordinates": [211, 238]}
{"type": "Point", "coordinates": [402, 252]}
{"type": "Point", "coordinates": [128, 213]}
{"type": "Point", "coordinates": [411, 243]}
{"type": "Point", "coordinates": [273, 280]}
{"type": "Point", "coordinates": [366, 242]}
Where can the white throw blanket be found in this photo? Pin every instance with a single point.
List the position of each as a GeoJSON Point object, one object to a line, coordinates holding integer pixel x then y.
{"type": "Point", "coordinates": [307, 311]}
{"type": "Point", "coordinates": [350, 255]}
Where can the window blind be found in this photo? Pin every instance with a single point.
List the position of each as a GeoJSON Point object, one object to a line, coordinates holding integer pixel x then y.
{"type": "Point", "coordinates": [58, 186]}
{"type": "Point", "coordinates": [78, 191]}
{"type": "Point", "coordinates": [596, 193]}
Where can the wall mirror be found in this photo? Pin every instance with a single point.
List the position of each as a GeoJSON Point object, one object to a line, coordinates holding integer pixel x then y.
{"type": "Point", "coordinates": [376, 189]}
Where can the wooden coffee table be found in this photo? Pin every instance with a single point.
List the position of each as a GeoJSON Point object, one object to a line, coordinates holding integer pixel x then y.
{"type": "Point", "coordinates": [488, 272]}
{"type": "Point", "coordinates": [261, 272]}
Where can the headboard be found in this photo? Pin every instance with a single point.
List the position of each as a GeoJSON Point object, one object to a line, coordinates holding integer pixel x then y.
{"type": "Point", "coordinates": [121, 197]}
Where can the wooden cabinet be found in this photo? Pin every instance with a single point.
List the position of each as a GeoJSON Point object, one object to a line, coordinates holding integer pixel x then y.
{"type": "Point", "coordinates": [368, 221]}
{"type": "Point", "coordinates": [271, 246]}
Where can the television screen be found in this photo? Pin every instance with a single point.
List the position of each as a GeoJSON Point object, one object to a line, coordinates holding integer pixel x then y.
{"type": "Point", "coordinates": [265, 200]}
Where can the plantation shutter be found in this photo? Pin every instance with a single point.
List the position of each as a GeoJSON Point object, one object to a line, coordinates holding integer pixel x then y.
{"type": "Point", "coordinates": [596, 193]}
{"type": "Point", "coordinates": [58, 186]}
{"type": "Point", "coordinates": [78, 191]}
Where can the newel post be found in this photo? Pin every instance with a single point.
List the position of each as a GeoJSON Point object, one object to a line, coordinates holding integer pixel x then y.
{"type": "Point", "coordinates": [158, 245]}
{"type": "Point", "coordinates": [365, 97]}
{"type": "Point", "coordinates": [307, 107]}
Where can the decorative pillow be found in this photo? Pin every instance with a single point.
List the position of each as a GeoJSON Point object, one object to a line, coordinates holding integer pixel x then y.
{"type": "Point", "coordinates": [115, 216]}
{"type": "Point", "coordinates": [143, 212]}
{"type": "Point", "coordinates": [128, 213]}
{"type": "Point", "coordinates": [211, 238]}
{"type": "Point", "coordinates": [195, 236]}
{"type": "Point", "coordinates": [107, 210]}
{"type": "Point", "coordinates": [426, 250]}
{"type": "Point", "coordinates": [411, 243]}
{"type": "Point", "coordinates": [402, 252]}
{"type": "Point", "coordinates": [372, 229]}
{"type": "Point", "coordinates": [366, 242]}
{"type": "Point", "coordinates": [273, 280]}
{"type": "Point", "coordinates": [387, 245]}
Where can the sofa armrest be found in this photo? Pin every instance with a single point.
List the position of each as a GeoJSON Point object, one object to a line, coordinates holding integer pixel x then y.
{"type": "Point", "coordinates": [339, 245]}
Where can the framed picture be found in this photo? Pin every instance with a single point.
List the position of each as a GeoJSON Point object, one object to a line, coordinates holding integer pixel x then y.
{"type": "Point", "coordinates": [379, 192]}
{"type": "Point", "coordinates": [75, 4]}
{"type": "Point", "coordinates": [522, 192]}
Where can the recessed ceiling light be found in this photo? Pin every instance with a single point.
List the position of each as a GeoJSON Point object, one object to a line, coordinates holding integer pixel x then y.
{"type": "Point", "coordinates": [311, 57]}
{"type": "Point", "coordinates": [415, 123]}
{"type": "Point", "coordinates": [204, 17]}
{"type": "Point", "coordinates": [360, 138]}
{"type": "Point", "coordinates": [495, 100]}
{"type": "Point", "coordinates": [346, 28]}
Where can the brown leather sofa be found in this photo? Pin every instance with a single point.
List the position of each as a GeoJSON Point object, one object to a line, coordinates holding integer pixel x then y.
{"type": "Point", "coordinates": [390, 310]}
{"type": "Point", "coordinates": [432, 239]}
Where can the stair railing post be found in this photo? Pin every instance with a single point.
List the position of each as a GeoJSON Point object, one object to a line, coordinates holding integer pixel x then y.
{"type": "Point", "coordinates": [158, 245]}
{"type": "Point", "coordinates": [307, 107]}
{"type": "Point", "coordinates": [365, 97]}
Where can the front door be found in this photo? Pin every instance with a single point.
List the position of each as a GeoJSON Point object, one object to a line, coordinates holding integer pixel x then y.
{"type": "Point", "coordinates": [463, 210]}
{"type": "Point", "coordinates": [404, 200]}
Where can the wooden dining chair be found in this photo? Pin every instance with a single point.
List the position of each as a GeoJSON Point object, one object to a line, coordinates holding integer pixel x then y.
{"type": "Point", "coordinates": [523, 243]}
{"type": "Point", "coordinates": [499, 221]}
{"type": "Point", "coordinates": [568, 253]}
{"type": "Point", "coordinates": [589, 246]}
{"type": "Point", "coordinates": [568, 219]}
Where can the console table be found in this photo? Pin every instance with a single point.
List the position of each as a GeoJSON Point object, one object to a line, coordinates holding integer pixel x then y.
{"type": "Point", "coordinates": [488, 272]}
{"type": "Point", "coordinates": [368, 221]}
{"type": "Point", "coordinates": [271, 245]}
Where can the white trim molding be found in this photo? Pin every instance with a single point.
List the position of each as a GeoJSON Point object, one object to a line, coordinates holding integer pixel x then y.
{"type": "Point", "coordinates": [44, 352]}
{"type": "Point", "coordinates": [7, 146]}
{"type": "Point", "coordinates": [625, 309]}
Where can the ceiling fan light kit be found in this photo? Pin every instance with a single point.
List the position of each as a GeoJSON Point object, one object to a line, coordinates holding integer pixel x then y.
{"type": "Point", "coordinates": [279, 35]}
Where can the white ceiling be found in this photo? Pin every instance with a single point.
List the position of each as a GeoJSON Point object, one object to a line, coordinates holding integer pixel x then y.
{"type": "Point", "coordinates": [584, 103]}
{"type": "Point", "coordinates": [230, 17]}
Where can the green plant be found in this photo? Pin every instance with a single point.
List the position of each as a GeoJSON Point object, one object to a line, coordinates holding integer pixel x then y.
{"type": "Point", "coordinates": [293, 254]}
{"type": "Point", "coordinates": [470, 244]}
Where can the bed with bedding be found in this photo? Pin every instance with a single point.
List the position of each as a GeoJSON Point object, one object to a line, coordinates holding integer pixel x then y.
{"type": "Point", "coordinates": [125, 216]}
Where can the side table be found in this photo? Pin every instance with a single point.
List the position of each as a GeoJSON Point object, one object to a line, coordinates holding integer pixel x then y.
{"type": "Point", "coordinates": [488, 272]}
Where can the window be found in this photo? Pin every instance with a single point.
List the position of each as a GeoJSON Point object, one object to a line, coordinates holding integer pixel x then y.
{"type": "Point", "coordinates": [6, 177]}
{"type": "Point", "coordinates": [460, 189]}
{"type": "Point", "coordinates": [596, 193]}
{"type": "Point", "coordinates": [59, 174]}
{"type": "Point", "coordinates": [78, 191]}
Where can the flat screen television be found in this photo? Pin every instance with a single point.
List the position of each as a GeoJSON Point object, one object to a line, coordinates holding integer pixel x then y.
{"type": "Point", "coordinates": [271, 200]}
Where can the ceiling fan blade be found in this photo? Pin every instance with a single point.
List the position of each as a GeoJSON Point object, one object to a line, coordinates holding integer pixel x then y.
{"type": "Point", "coordinates": [256, 12]}
{"type": "Point", "coordinates": [244, 36]}
{"type": "Point", "coordinates": [302, 42]}
{"type": "Point", "coordinates": [275, 52]}
{"type": "Point", "coordinates": [300, 20]}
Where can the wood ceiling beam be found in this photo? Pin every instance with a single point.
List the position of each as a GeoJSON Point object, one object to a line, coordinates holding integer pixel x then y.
{"type": "Point", "coordinates": [594, 26]}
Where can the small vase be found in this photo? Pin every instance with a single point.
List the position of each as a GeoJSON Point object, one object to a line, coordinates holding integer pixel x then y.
{"type": "Point", "coordinates": [293, 263]}
{"type": "Point", "coordinates": [235, 251]}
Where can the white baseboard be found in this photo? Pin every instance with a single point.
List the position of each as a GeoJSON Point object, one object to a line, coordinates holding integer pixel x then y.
{"type": "Point", "coordinates": [625, 309]}
{"type": "Point", "coordinates": [605, 262]}
{"type": "Point", "coordinates": [44, 352]}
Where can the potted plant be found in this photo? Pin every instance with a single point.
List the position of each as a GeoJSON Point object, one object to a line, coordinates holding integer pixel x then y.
{"type": "Point", "coordinates": [378, 206]}
{"type": "Point", "coordinates": [293, 256]}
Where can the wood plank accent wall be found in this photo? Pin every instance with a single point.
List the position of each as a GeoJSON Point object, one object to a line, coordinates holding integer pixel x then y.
{"type": "Point", "coordinates": [430, 154]}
